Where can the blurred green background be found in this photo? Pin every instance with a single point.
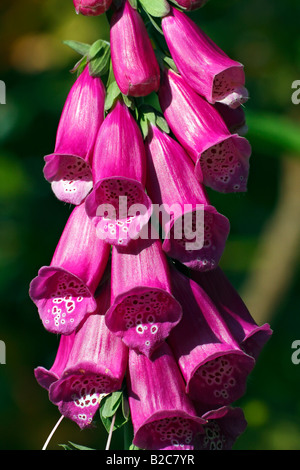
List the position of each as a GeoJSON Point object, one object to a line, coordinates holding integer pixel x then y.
{"type": "Point", "coordinates": [262, 255]}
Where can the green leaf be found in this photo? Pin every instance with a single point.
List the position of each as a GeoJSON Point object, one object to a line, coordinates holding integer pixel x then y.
{"type": "Point", "coordinates": [162, 124]}
{"type": "Point", "coordinates": [72, 446]}
{"type": "Point", "coordinates": [113, 405]}
{"type": "Point", "coordinates": [98, 58]}
{"type": "Point", "coordinates": [147, 114]}
{"type": "Point", "coordinates": [133, 447]}
{"type": "Point", "coordinates": [79, 47]}
{"type": "Point", "coordinates": [112, 93]}
{"type": "Point", "coordinates": [133, 3]}
{"type": "Point", "coordinates": [156, 8]}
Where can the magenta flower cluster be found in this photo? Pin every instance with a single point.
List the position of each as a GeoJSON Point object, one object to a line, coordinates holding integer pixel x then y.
{"type": "Point", "coordinates": [136, 304]}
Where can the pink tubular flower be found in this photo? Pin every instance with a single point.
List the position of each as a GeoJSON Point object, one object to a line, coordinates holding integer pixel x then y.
{"type": "Point", "coordinates": [213, 365]}
{"type": "Point", "coordinates": [96, 366]}
{"type": "Point", "coordinates": [91, 7]}
{"type": "Point", "coordinates": [206, 68]}
{"type": "Point", "coordinates": [143, 310]}
{"type": "Point", "coordinates": [224, 425]}
{"type": "Point", "coordinates": [191, 4]}
{"type": "Point", "coordinates": [243, 327]}
{"type": "Point", "coordinates": [69, 167]}
{"type": "Point", "coordinates": [46, 377]}
{"type": "Point", "coordinates": [195, 233]}
{"type": "Point", "coordinates": [134, 63]}
{"type": "Point", "coordinates": [221, 158]}
{"type": "Point", "coordinates": [64, 291]}
{"type": "Point", "coordinates": [162, 415]}
{"type": "Point", "coordinates": [234, 119]}
{"type": "Point", "coordinates": [118, 203]}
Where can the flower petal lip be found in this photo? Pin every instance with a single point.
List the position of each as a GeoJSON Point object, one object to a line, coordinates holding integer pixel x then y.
{"type": "Point", "coordinates": [221, 159]}
{"type": "Point", "coordinates": [190, 5]}
{"type": "Point", "coordinates": [195, 232]}
{"type": "Point", "coordinates": [135, 66]}
{"type": "Point", "coordinates": [91, 7]}
{"type": "Point", "coordinates": [68, 168]}
{"type": "Point", "coordinates": [207, 69]}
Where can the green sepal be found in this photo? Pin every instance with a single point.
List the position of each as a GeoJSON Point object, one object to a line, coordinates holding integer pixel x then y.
{"type": "Point", "coordinates": [133, 3]}
{"type": "Point", "coordinates": [113, 405]}
{"type": "Point", "coordinates": [156, 8]}
{"type": "Point", "coordinates": [79, 47]}
{"type": "Point", "coordinates": [149, 115]}
{"type": "Point", "coordinates": [112, 94]}
{"type": "Point", "coordinates": [98, 58]}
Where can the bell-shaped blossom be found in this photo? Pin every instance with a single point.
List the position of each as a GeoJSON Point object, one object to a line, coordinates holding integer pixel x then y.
{"type": "Point", "coordinates": [64, 290]}
{"type": "Point", "coordinates": [224, 425]}
{"type": "Point", "coordinates": [134, 63]}
{"type": "Point", "coordinates": [213, 365]}
{"type": "Point", "coordinates": [242, 325]}
{"type": "Point", "coordinates": [162, 415]}
{"type": "Point", "coordinates": [206, 68]}
{"type": "Point", "coordinates": [46, 377]}
{"type": "Point", "coordinates": [195, 233]}
{"type": "Point", "coordinates": [68, 169]}
{"type": "Point", "coordinates": [91, 7]}
{"type": "Point", "coordinates": [96, 366]}
{"type": "Point", "coordinates": [234, 119]}
{"type": "Point", "coordinates": [191, 4]}
{"type": "Point", "coordinates": [143, 309]}
{"type": "Point", "coordinates": [118, 203]}
{"type": "Point", "coordinates": [221, 158]}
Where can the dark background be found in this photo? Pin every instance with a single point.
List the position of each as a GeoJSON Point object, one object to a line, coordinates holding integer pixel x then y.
{"type": "Point", "coordinates": [262, 254]}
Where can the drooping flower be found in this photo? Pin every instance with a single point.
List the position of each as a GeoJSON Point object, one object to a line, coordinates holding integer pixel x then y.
{"type": "Point", "coordinates": [64, 290]}
{"type": "Point", "coordinates": [224, 425]}
{"type": "Point", "coordinates": [195, 233]}
{"type": "Point", "coordinates": [213, 365]}
{"type": "Point", "coordinates": [91, 7]}
{"type": "Point", "coordinates": [206, 68]}
{"type": "Point", "coordinates": [162, 415]}
{"type": "Point", "coordinates": [242, 325]}
{"type": "Point", "coordinates": [68, 169]}
{"type": "Point", "coordinates": [96, 366]}
{"type": "Point", "coordinates": [221, 158]}
{"type": "Point", "coordinates": [143, 309]}
{"type": "Point", "coordinates": [191, 4]}
{"type": "Point", "coordinates": [46, 377]}
{"type": "Point", "coordinates": [118, 203]}
{"type": "Point", "coordinates": [134, 63]}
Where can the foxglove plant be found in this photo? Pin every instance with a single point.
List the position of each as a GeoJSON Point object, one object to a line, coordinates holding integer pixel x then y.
{"type": "Point", "coordinates": [195, 233]}
{"type": "Point", "coordinates": [134, 288]}
{"type": "Point", "coordinates": [69, 168]}
{"type": "Point", "coordinates": [221, 158]}
{"type": "Point", "coordinates": [64, 290]}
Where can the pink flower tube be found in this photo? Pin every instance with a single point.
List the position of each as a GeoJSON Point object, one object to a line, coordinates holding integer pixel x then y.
{"type": "Point", "coordinates": [91, 7]}
{"type": "Point", "coordinates": [195, 233]}
{"type": "Point", "coordinates": [221, 159]}
{"type": "Point", "coordinates": [64, 291]}
{"type": "Point", "coordinates": [224, 425]}
{"type": "Point", "coordinates": [118, 203]}
{"type": "Point", "coordinates": [213, 365]}
{"type": "Point", "coordinates": [242, 325]}
{"type": "Point", "coordinates": [68, 169]}
{"type": "Point", "coordinates": [46, 377]}
{"type": "Point", "coordinates": [206, 68]}
{"type": "Point", "coordinates": [162, 415]}
{"type": "Point", "coordinates": [134, 63]}
{"type": "Point", "coordinates": [96, 366]}
{"type": "Point", "coordinates": [143, 310]}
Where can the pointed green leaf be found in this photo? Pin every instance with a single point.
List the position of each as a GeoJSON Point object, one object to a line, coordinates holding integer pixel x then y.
{"type": "Point", "coordinates": [112, 93]}
{"type": "Point", "coordinates": [79, 47]}
{"type": "Point", "coordinates": [111, 404]}
{"type": "Point", "coordinates": [157, 8]}
{"type": "Point", "coordinates": [98, 58]}
{"type": "Point", "coordinates": [162, 124]}
{"type": "Point", "coordinates": [72, 446]}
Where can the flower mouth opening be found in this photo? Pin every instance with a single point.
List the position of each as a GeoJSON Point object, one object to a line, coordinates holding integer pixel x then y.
{"type": "Point", "coordinates": [225, 166]}
{"type": "Point", "coordinates": [70, 176]}
{"type": "Point", "coordinates": [174, 432]}
{"type": "Point", "coordinates": [226, 82]}
{"type": "Point", "coordinates": [144, 319]}
{"type": "Point", "coordinates": [198, 238]}
{"type": "Point", "coordinates": [213, 438]}
{"type": "Point", "coordinates": [121, 209]}
{"type": "Point", "coordinates": [62, 299]}
{"type": "Point", "coordinates": [221, 380]}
